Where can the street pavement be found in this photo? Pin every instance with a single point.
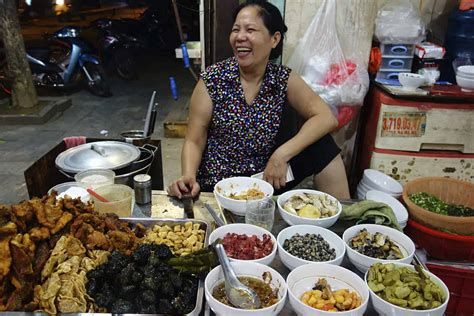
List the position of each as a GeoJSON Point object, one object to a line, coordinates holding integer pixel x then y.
{"type": "Point", "coordinates": [94, 116]}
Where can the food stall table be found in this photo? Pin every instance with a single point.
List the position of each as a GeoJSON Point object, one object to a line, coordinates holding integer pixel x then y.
{"type": "Point", "coordinates": [165, 202]}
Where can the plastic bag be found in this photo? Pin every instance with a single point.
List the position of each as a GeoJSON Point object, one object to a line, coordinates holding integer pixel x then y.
{"type": "Point", "coordinates": [399, 22]}
{"type": "Point", "coordinates": [319, 59]}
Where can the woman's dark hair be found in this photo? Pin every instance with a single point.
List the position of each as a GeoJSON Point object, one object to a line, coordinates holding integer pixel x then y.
{"type": "Point", "coordinates": [272, 20]}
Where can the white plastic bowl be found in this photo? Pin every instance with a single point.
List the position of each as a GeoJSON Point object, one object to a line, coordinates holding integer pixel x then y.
{"type": "Point", "coordinates": [385, 308]}
{"type": "Point", "coordinates": [466, 71]}
{"type": "Point", "coordinates": [236, 185]}
{"type": "Point", "coordinates": [304, 278]}
{"type": "Point", "coordinates": [411, 81]}
{"type": "Point", "coordinates": [465, 83]}
{"type": "Point", "coordinates": [366, 187]}
{"type": "Point", "coordinates": [399, 210]}
{"type": "Point", "coordinates": [292, 219]}
{"type": "Point", "coordinates": [249, 230]}
{"type": "Point", "coordinates": [74, 188]}
{"type": "Point", "coordinates": [95, 178]}
{"type": "Point", "coordinates": [292, 262]}
{"type": "Point", "coordinates": [250, 269]}
{"type": "Point", "coordinates": [380, 181]}
{"type": "Point", "coordinates": [363, 262]}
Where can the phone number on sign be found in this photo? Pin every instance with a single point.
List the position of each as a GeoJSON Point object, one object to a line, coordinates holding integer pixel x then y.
{"type": "Point", "coordinates": [403, 124]}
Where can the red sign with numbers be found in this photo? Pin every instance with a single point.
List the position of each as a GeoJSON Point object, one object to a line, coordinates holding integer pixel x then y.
{"type": "Point", "coordinates": [403, 124]}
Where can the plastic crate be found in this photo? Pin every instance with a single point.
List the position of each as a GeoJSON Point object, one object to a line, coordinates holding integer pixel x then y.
{"type": "Point", "coordinates": [460, 283]}
{"type": "Point", "coordinates": [397, 50]}
{"type": "Point", "coordinates": [396, 63]}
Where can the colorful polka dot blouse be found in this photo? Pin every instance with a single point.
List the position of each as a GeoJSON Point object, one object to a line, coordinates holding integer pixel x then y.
{"type": "Point", "coordinates": [241, 136]}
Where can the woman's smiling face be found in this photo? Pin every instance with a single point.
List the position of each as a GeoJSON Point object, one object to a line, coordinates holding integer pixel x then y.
{"type": "Point", "coordinates": [250, 40]}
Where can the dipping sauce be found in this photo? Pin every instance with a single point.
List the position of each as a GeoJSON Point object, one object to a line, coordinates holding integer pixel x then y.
{"type": "Point", "coordinates": [267, 295]}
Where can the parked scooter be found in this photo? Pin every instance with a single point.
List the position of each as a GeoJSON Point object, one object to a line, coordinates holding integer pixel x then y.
{"type": "Point", "coordinates": [74, 66]}
{"type": "Point", "coordinates": [118, 50]}
{"type": "Point", "coordinates": [151, 30]}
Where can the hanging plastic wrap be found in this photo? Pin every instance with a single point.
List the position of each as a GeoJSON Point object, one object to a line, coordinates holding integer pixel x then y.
{"type": "Point", "coordinates": [399, 22]}
{"type": "Point", "coordinates": [319, 59]}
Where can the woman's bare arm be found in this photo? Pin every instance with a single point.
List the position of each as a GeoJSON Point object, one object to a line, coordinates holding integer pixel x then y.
{"type": "Point", "coordinates": [319, 122]}
{"type": "Point", "coordinates": [200, 112]}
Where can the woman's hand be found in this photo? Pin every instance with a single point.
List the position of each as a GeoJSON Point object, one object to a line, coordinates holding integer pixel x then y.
{"type": "Point", "coordinates": [184, 185]}
{"type": "Point", "coordinates": [275, 171]}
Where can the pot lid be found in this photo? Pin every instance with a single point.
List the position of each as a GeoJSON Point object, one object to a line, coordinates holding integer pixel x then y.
{"type": "Point", "coordinates": [98, 155]}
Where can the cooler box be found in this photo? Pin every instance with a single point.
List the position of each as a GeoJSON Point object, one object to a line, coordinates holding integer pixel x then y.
{"type": "Point", "coordinates": [406, 166]}
{"type": "Point", "coordinates": [410, 137]}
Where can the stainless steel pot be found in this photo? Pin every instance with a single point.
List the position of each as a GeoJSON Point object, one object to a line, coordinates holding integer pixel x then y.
{"type": "Point", "coordinates": [124, 174]}
{"type": "Point", "coordinates": [134, 134]}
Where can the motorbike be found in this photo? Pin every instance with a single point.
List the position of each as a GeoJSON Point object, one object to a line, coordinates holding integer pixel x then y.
{"type": "Point", "coordinates": [118, 50]}
{"type": "Point", "coordinates": [69, 66]}
{"type": "Point", "coordinates": [151, 30]}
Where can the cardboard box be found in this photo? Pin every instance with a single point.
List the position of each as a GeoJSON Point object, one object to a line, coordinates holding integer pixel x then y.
{"type": "Point", "coordinates": [429, 50]}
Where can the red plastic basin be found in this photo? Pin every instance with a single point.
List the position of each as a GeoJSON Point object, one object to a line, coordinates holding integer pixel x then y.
{"type": "Point", "coordinates": [441, 245]}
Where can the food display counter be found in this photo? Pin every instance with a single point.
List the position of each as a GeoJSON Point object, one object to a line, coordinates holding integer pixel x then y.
{"type": "Point", "coordinates": [162, 204]}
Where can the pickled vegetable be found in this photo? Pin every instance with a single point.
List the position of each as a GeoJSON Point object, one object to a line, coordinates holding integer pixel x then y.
{"type": "Point", "coordinates": [404, 287]}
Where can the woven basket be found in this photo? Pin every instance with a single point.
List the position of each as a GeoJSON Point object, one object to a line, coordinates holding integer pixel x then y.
{"type": "Point", "coordinates": [450, 191]}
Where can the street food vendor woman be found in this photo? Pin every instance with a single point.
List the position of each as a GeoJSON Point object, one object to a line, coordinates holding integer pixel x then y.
{"type": "Point", "coordinates": [236, 113]}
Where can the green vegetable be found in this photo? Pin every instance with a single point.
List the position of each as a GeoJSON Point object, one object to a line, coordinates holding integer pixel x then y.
{"type": "Point", "coordinates": [435, 205]}
{"type": "Point", "coordinates": [404, 287]}
{"type": "Point", "coordinates": [198, 262]}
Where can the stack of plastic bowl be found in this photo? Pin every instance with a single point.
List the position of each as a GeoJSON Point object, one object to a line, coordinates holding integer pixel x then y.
{"type": "Point", "coordinates": [399, 210]}
{"type": "Point", "coordinates": [376, 180]}
{"type": "Point", "coordinates": [465, 78]}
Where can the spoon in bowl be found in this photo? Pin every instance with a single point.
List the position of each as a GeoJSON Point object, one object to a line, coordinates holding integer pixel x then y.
{"type": "Point", "coordinates": [238, 294]}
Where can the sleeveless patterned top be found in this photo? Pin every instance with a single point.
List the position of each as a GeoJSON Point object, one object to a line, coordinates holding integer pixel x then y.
{"type": "Point", "coordinates": [241, 136]}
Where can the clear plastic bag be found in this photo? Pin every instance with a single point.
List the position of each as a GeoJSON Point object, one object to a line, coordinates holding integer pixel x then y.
{"type": "Point", "coordinates": [399, 22]}
{"type": "Point", "coordinates": [319, 59]}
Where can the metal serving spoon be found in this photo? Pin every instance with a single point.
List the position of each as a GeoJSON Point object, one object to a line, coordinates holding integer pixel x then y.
{"type": "Point", "coordinates": [238, 294]}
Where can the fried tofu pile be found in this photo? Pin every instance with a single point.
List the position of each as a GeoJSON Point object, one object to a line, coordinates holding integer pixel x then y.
{"type": "Point", "coordinates": [29, 232]}
{"type": "Point", "coordinates": [63, 278]}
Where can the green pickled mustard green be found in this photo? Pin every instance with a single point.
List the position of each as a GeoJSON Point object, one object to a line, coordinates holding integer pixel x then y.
{"type": "Point", "coordinates": [404, 287]}
{"type": "Point", "coordinates": [434, 204]}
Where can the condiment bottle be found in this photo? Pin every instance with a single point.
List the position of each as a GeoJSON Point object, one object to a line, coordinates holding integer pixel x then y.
{"type": "Point", "coordinates": [142, 185]}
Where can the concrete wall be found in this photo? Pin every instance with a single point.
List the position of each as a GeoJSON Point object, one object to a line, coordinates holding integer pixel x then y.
{"type": "Point", "coordinates": [355, 20]}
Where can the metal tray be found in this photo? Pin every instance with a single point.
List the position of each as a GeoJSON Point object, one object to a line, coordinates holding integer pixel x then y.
{"type": "Point", "coordinates": [147, 222]}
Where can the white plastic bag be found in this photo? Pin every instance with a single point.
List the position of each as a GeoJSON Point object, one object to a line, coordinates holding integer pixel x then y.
{"type": "Point", "coordinates": [319, 59]}
{"type": "Point", "coordinates": [399, 22]}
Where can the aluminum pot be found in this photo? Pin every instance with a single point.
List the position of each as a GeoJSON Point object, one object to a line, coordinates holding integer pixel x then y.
{"type": "Point", "coordinates": [132, 135]}
{"type": "Point", "coordinates": [125, 174]}
{"type": "Point", "coordinates": [147, 155]}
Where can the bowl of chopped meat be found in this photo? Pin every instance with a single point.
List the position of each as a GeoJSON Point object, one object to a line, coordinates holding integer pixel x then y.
{"type": "Point", "coordinates": [245, 242]}
{"type": "Point", "coordinates": [233, 193]}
